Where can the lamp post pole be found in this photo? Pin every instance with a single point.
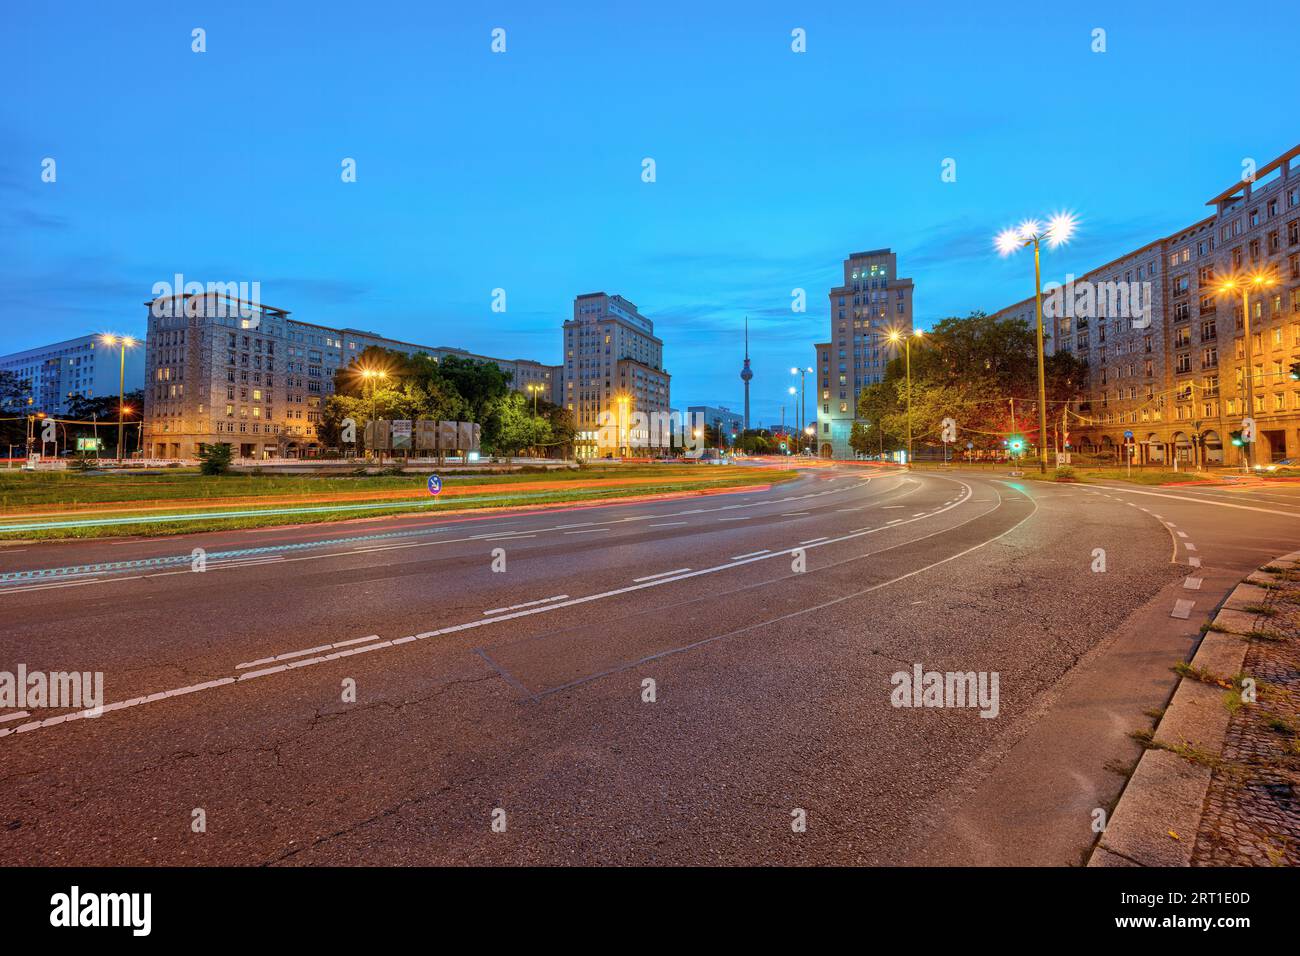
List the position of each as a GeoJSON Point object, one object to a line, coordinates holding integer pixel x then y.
{"type": "Point", "coordinates": [1057, 232]}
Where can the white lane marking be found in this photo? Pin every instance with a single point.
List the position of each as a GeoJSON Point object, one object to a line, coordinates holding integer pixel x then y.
{"type": "Point", "coordinates": [515, 607]}
{"type": "Point", "coordinates": [752, 554]}
{"type": "Point", "coordinates": [739, 518]}
{"type": "Point", "coordinates": [670, 524]}
{"type": "Point", "coordinates": [919, 514]}
{"type": "Point", "coordinates": [1194, 562]}
{"type": "Point", "coordinates": [310, 650]}
{"type": "Point", "coordinates": [813, 540]}
{"type": "Point", "coordinates": [894, 521]}
{"type": "Point", "coordinates": [1189, 546]}
{"type": "Point", "coordinates": [587, 531]}
{"type": "Point", "coordinates": [794, 514]}
{"type": "Point", "coordinates": [1182, 608]}
{"type": "Point", "coordinates": [661, 574]}
{"type": "Point", "coordinates": [18, 716]}
{"type": "Point", "coordinates": [1182, 534]}
{"type": "Point", "coordinates": [451, 629]}
{"type": "Point", "coordinates": [1192, 584]}
{"type": "Point", "coordinates": [46, 587]}
{"type": "Point", "coordinates": [1216, 504]}
{"type": "Point", "coordinates": [891, 507]}
{"type": "Point", "coordinates": [580, 524]}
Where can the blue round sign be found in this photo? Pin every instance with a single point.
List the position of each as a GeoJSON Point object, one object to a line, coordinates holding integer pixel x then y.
{"type": "Point", "coordinates": [1128, 434]}
{"type": "Point", "coordinates": [435, 484]}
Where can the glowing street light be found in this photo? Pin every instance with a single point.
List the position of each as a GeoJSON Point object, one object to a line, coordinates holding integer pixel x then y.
{"type": "Point", "coordinates": [803, 373]}
{"type": "Point", "coordinates": [1244, 282]}
{"type": "Point", "coordinates": [896, 336]}
{"type": "Point", "coordinates": [123, 342]}
{"type": "Point", "coordinates": [1056, 232]}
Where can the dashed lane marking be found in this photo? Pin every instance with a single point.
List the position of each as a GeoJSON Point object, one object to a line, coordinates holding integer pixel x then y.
{"type": "Point", "coordinates": [661, 574]}
{"type": "Point", "coordinates": [515, 607]}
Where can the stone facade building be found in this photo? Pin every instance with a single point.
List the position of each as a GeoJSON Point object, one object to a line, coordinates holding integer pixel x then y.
{"type": "Point", "coordinates": [1172, 371]}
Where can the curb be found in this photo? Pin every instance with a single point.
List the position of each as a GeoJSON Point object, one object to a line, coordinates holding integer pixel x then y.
{"type": "Point", "coordinates": [1159, 813]}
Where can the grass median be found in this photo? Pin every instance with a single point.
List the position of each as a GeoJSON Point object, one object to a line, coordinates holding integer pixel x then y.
{"type": "Point", "coordinates": [94, 506]}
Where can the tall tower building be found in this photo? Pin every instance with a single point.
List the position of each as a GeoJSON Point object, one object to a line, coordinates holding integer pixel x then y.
{"type": "Point", "coordinates": [746, 373]}
{"type": "Point", "coordinates": [872, 302]}
{"type": "Point", "coordinates": [613, 366]}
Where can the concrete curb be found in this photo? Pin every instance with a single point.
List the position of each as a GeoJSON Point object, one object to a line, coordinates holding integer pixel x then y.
{"type": "Point", "coordinates": [1159, 813]}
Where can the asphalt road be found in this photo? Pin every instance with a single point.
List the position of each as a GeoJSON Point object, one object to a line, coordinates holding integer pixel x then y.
{"type": "Point", "coordinates": [769, 621]}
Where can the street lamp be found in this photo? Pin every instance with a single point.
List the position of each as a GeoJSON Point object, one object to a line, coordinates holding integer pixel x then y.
{"type": "Point", "coordinates": [895, 336]}
{"type": "Point", "coordinates": [123, 342]}
{"type": "Point", "coordinates": [535, 388]}
{"type": "Point", "coordinates": [803, 393]}
{"type": "Point", "coordinates": [1243, 283]}
{"type": "Point", "coordinates": [373, 375]}
{"type": "Point", "coordinates": [1031, 232]}
{"type": "Point", "coordinates": [794, 400]}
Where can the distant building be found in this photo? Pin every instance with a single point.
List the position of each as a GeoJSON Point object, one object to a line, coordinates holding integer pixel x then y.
{"type": "Point", "coordinates": [613, 369]}
{"type": "Point", "coordinates": [82, 367]}
{"type": "Point", "coordinates": [726, 421]}
{"type": "Point", "coordinates": [873, 302]}
{"type": "Point", "coordinates": [222, 370]}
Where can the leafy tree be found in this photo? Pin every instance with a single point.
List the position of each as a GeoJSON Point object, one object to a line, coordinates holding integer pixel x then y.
{"type": "Point", "coordinates": [968, 369]}
{"type": "Point", "coordinates": [215, 459]}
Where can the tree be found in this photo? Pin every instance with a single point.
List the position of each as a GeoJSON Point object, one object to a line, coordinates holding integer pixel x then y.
{"type": "Point", "coordinates": [967, 369]}
{"type": "Point", "coordinates": [517, 427]}
{"type": "Point", "coordinates": [215, 459]}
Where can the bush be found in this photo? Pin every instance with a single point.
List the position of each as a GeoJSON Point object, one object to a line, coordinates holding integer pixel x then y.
{"type": "Point", "coordinates": [215, 459]}
{"type": "Point", "coordinates": [1063, 473]}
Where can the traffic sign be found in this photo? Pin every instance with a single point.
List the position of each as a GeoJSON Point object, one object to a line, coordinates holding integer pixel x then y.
{"type": "Point", "coordinates": [1128, 434]}
{"type": "Point", "coordinates": [970, 445]}
{"type": "Point", "coordinates": [1248, 429]}
{"type": "Point", "coordinates": [435, 485]}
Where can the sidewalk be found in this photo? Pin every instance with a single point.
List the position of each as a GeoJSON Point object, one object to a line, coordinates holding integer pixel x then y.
{"type": "Point", "coordinates": [1219, 784]}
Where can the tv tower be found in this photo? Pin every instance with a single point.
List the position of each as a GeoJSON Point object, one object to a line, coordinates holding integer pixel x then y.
{"type": "Point", "coordinates": [746, 373]}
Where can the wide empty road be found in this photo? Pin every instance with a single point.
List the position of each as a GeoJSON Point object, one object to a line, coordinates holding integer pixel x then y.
{"type": "Point", "coordinates": [478, 689]}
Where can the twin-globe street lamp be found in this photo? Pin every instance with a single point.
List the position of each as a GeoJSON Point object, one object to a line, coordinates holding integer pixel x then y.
{"type": "Point", "coordinates": [1244, 282]}
{"type": "Point", "coordinates": [1056, 233]}
{"type": "Point", "coordinates": [896, 336]}
{"type": "Point", "coordinates": [123, 342]}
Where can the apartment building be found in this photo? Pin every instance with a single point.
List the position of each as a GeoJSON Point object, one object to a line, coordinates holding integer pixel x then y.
{"type": "Point", "coordinates": [613, 369]}
{"type": "Point", "coordinates": [220, 369]}
{"type": "Point", "coordinates": [1176, 378]}
{"type": "Point", "coordinates": [872, 302]}
{"type": "Point", "coordinates": [86, 367]}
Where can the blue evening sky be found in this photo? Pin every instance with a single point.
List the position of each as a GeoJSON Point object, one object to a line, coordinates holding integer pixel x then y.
{"type": "Point", "coordinates": [523, 170]}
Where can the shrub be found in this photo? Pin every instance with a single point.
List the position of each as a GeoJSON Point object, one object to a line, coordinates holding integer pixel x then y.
{"type": "Point", "coordinates": [215, 459]}
{"type": "Point", "coordinates": [1064, 473]}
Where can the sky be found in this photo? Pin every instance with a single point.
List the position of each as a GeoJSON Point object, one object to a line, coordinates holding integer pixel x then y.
{"type": "Point", "coordinates": [523, 170]}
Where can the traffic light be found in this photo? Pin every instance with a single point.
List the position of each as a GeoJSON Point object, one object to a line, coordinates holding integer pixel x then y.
{"type": "Point", "coordinates": [1016, 443]}
{"type": "Point", "coordinates": [1295, 371]}
{"type": "Point", "coordinates": [1236, 439]}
